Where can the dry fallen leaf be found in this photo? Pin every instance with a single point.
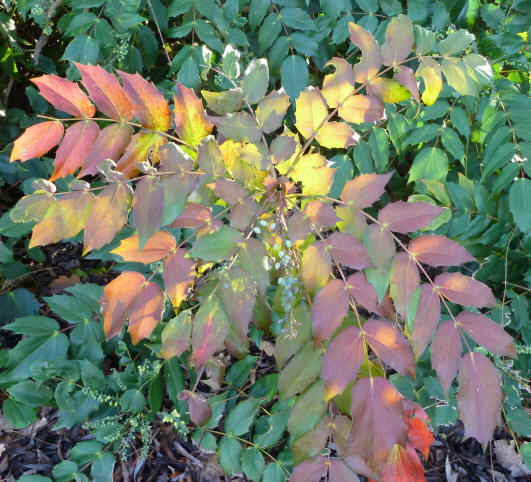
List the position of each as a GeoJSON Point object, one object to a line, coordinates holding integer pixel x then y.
{"type": "Point", "coordinates": [509, 458]}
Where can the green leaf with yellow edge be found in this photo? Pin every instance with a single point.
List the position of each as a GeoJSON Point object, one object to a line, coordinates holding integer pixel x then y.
{"type": "Point", "coordinates": [430, 71]}
{"type": "Point", "coordinates": [389, 90]}
{"type": "Point", "coordinates": [224, 102]}
{"type": "Point", "coordinates": [238, 126]}
{"type": "Point", "coordinates": [300, 372]}
{"type": "Point", "coordinates": [176, 335]}
{"type": "Point", "coordinates": [64, 218]}
{"type": "Point", "coordinates": [459, 76]}
{"type": "Point", "coordinates": [191, 122]}
{"type": "Point", "coordinates": [216, 246]}
{"type": "Point", "coordinates": [307, 411]}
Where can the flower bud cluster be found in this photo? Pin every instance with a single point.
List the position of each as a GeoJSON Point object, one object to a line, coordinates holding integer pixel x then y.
{"type": "Point", "coordinates": [174, 417]}
{"type": "Point", "coordinates": [101, 397]}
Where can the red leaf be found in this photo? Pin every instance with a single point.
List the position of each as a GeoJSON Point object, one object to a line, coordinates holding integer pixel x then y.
{"type": "Point", "coordinates": [157, 247]}
{"type": "Point", "coordinates": [191, 122]}
{"type": "Point", "coordinates": [406, 77]}
{"type": "Point", "coordinates": [390, 345]}
{"type": "Point", "coordinates": [106, 92]}
{"type": "Point", "coordinates": [110, 143]}
{"type": "Point", "coordinates": [419, 435]}
{"type": "Point", "coordinates": [311, 470]}
{"type": "Point", "coordinates": [348, 251]}
{"type": "Point", "coordinates": [75, 147]}
{"type": "Point", "coordinates": [200, 409]}
{"type": "Point", "coordinates": [193, 216]}
{"type": "Point", "coordinates": [403, 465]}
{"type": "Point", "coordinates": [229, 191]}
{"type": "Point", "coordinates": [210, 327]}
{"type": "Point", "coordinates": [464, 290]}
{"type": "Point", "coordinates": [405, 280]}
{"type": "Point", "coordinates": [486, 332]}
{"type": "Point", "coordinates": [118, 297]}
{"type": "Point", "coordinates": [365, 189]}
{"type": "Point", "coordinates": [37, 140]}
{"type": "Point", "coordinates": [377, 420]}
{"type": "Point", "coordinates": [298, 227]}
{"type": "Point", "coordinates": [146, 312]}
{"type": "Point", "coordinates": [64, 95]}
{"type": "Point", "coordinates": [148, 203]}
{"type": "Point", "coordinates": [107, 216]}
{"type": "Point", "coordinates": [321, 214]}
{"type": "Point", "coordinates": [362, 108]}
{"type": "Point", "coordinates": [426, 319]}
{"type": "Point", "coordinates": [480, 397]}
{"type": "Point", "coordinates": [329, 308]}
{"type": "Point", "coordinates": [363, 292]}
{"type": "Point", "coordinates": [371, 61]}
{"type": "Point", "coordinates": [342, 360]}
{"type": "Point", "coordinates": [402, 217]}
{"type": "Point", "coordinates": [149, 106]}
{"type": "Point", "coordinates": [178, 276]}
{"type": "Point", "coordinates": [439, 251]}
{"type": "Point", "coordinates": [445, 353]}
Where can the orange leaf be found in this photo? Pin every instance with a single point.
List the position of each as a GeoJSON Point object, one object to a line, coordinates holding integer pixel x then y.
{"type": "Point", "coordinates": [191, 122]}
{"type": "Point", "coordinates": [110, 143]}
{"type": "Point", "coordinates": [420, 436]}
{"type": "Point", "coordinates": [74, 149]}
{"type": "Point", "coordinates": [178, 276]}
{"type": "Point", "coordinates": [107, 216]}
{"type": "Point", "coordinates": [141, 145]}
{"type": "Point", "coordinates": [118, 297]}
{"type": "Point", "coordinates": [64, 219]}
{"type": "Point", "coordinates": [157, 247]}
{"type": "Point", "coordinates": [339, 85]}
{"type": "Point", "coordinates": [146, 312]}
{"type": "Point", "coordinates": [149, 106]}
{"type": "Point", "coordinates": [361, 108]}
{"type": "Point", "coordinates": [193, 216]}
{"type": "Point", "coordinates": [106, 92]}
{"type": "Point", "coordinates": [37, 140]}
{"type": "Point", "coordinates": [64, 95]}
{"type": "Point", "coordinates": [403, 465]}
{"type": "Point", "coordinates": [365, 189]}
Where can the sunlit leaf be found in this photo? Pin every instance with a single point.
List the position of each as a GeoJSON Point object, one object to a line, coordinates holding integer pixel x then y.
{"type": "Point", "coordinates": [157, 247]}
{"type": "Point", "coordinates": [64, 95]}
{"type": "Point", "coordinates": [336, 135]}
{"type": "Point", "coordinates": [480, 397]}
{"type": "Point", "coordinates": [191, 122]}
{"type": "Point", "coordinates": [178, 276]}
{"type": "Point", "coordinates": [377, 423]}
{"type": "Point", "coordinates": [390, 345]}
{"type": "Point", "coordinates": [406, 77]}
{"type": "Point", "coordinates": [445, 353]}
{"type": "Point", "coordinates": [430, 71]}
{"type": "Point", "coordinates": [365, 189]}
{"type": "Point", "coordinates": [149, 106]}
{"type": "Point", "coordinates": [342, 360]}
{"type": "Point", "coordinates": [146, 312]}
{"type": "Point", "coordinates": [407, 217]}
{"type": "Point", "coordinates": [403, 465]}
{"type": "Point", "coordinates": [361, 108]}
{"type": "Point", "coordinates": [426, 319]}
{"type": "Point", "coordinates": [389, 91]}
{"type": "Point", "coordinates": [398, 41]}
{"type": "Point", "coordinates": [315, 174]}
{"type": "Point", "coordinates": [209, 157]}
{"type": "Point", "coordinates": [371, 60]}
{"type": "Point", "coordinates": [142, 145]}
{"type": "Point", "coordinates": [176, 335]}
{"type": "Point", "coordinates": [464, 290]}
{"type": "Point", "coordinates": [74, 148]}
{"type": "Point", "coordinates": [271, 111]}
{"type": "Point", "coordinates": [404, 282]}
{"type": "Point", "coordinates": [438, 251]}
{"type": "Point", "coordinates": [255, 80]}
{"type": "Point", "coordinates": [110, 144]}
{"type": "Point", "coordinates": [337, 87]}
{"type": "Point", "coordinates": [107, 216]}
{"type": "Point", "coordinates": [147, 207]}
{"type": "Point", "coordinates": [363, 292]}
{"type": "Point", "coordinates": [210, 327]}
{"type": "Point", "coordinates": [216, 246]}
{"type": "Point", "coordinates": [316, 266]}
{"type": "Point", "coordinates": [37, 140]}
{"type": "Point", "coordinates": [64, 218]}
{"type": "Point", "coordinates": [460, 76]}
{"type": "Point", "coordinates": [329, 308]}
{"type": "Point", "coordinates": [348, 251]}
{"type": "Point", "coordinates": [31, 208]}
{"type": "Point", "coordinates": [488, 333]}
{"type": "Point", "coordinates": [238, 126]}
{"type": "Point", "coordinates": [106, 92]}
{"type": "Point", "coordinates": [311, 112]}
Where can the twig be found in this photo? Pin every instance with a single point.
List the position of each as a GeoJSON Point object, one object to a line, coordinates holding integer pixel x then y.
{"type": "Point", "coordinates": [187, 454]}
{"type": "Point", "coordinates": [160, 33]}
{"type": "Point", "coordinates": [43, 39]}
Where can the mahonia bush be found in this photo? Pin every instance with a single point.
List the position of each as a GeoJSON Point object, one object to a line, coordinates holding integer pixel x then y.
{"type": "Point", "coordinates": [344, 287]}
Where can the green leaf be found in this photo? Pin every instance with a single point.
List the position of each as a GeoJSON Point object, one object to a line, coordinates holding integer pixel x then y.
{"type": "Point", "coordinates": [216, 246]}
{"type": "Point", "coordinates": [460, 121]}
{"type": "Point", "coordinates": [455, 42]}
{"type": "Point", "coordinates": [300, 372]}
{"type": "Point", "coordinates": [268, 32]}
{"type": "Point", "coordinates": [30, 393]}
{"type": "Point", "coordinates": [519, 196]}
{"type": "Point", "coordinates": [102, 467]}
{"type": "Point", "coordinates": [156, 392]}
{"type": "Point", "coordinates": [274, 473]}
{"type": "Point", "coordinates": [82, 49]}
{"type": "Point", "coordinates": [64, 471]}
{"type": "Point", "coordinates": [133, 400]}
{"type": "Point", "coordinates": [229, 453]}
{"type": "Point", "coordinates": [452, 143]}
{"type": "Point", "coordinates": [19, 414]}
{"type": "Point", "coordinates": [520, 422]}
{"type": "Point", "coordinates": [294, 75]}
{"type": "Point", "coordinates": [80, 23]}
{"type": "Point", "coordinates": [238, 126]}
{"type": "Point", "coordinates": [297, 18]}
{"type": "Point", "coordinates": [307, 411]}
{"type": "Point", "coordinates": [255, 80]}
{"type": "Point", "coordinates": [241, 417]}
{"type": "Point", "coordinates": [189, 73]}
{"type": "Point", "coordinates": [34, 478]}
{"type": "Point", "coordinates": [239, 371]}
{"type": "Point", "coordinates": [253, 463]}
{"type": "Point", "coordinates": [430, 163]}
{"type": "Point", "coordinates": [379, 144]}
{"type": "Point", "coordinates": [257, 12]}
{"type": "Point", "coordinates": [83, 452]}
{"type": "Point", "coordinates": [273, 428]}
